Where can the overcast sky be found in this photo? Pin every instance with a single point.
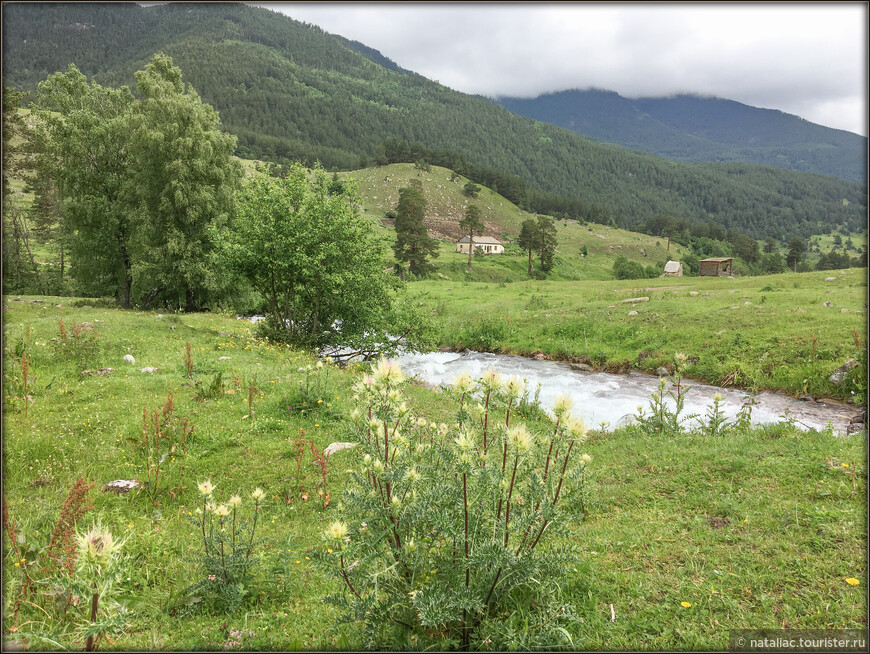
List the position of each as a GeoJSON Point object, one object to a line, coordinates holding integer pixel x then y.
{"type": "Point", "coordinates": [804, 59]}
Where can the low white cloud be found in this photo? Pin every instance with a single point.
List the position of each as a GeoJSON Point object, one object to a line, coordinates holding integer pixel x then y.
{"type": "Point", "coordinates": [805, 59]}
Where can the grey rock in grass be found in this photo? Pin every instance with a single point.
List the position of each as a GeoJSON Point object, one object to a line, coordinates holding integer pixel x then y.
{"type": "Point", "coordinates": [830, 279]}
{"type": "Point", "coordinates": [332, 448]}
{"type": "Point", "coordinates": [632, 313]}
{"type": "Point", "coordinates": [223, 358]}
{"type": "Point", "coordinates": [828, 304]}
{"type": "Point", "coordinates": [693, 292]}
{"type": "Point", "coordinates": [120, 486]}
{"type": "Point", "coordinates": [840, 373]}
{"type": "Point", "coordinates": [634, 300]}
{"type": "Point", "coordinates": [149, 370]}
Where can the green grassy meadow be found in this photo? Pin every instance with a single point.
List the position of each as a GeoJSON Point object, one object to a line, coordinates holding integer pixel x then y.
{"type": "Point", "coordinates": [685, 536]}
{"type": "Point", "coordinates": [769, 332]}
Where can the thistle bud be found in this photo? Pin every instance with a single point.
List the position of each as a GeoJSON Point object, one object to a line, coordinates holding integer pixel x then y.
{"type": "Point", "coordinates": [337, 530]}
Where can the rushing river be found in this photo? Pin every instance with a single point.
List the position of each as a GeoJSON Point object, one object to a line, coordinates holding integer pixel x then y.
{"type": "Point", "coordinates": [612, 398]}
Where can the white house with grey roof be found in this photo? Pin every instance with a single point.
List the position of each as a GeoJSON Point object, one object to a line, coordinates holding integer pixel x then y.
{"type": "Point", "coordinates": [486, 244]}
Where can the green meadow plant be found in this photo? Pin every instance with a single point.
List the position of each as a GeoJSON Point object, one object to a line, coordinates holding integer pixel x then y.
{"type": "Point", "coordinates": [227, 562]}
{"type": "Point", "coordinates": [444, 535]}
{"type": "Point", "coordinates": [78, 344]}
{"type": "Point", "coordinates": [163, 435]}
{"type": "Point", "coordinates": [662, 418]}
{"type": "Point", "coordinates": [716, 423]}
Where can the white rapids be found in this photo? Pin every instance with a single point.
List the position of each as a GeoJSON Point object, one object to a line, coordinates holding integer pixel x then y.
{"type": "Point", "coordinates": [614, 398]}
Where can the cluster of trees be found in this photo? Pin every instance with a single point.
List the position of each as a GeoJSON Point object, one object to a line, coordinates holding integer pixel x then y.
{"type": "Point", "coordinates": [290, 91]}
{"type": "Point", "coordinates": [538, 236]}
{"type": "Point", "coordinates": [150, 207]}
{"type": "Point", "coordinates": [135, 186]}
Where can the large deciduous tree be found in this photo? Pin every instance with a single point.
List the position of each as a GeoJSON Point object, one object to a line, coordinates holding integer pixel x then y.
{"type": "Point", "coordinates": [318, 264]}
{"type": "Point", "coordinates": [141, 183]}
{"type": "Point", "coordinates": [413, 243]}
{"type": "Point", "coordinates": [186, 178]}
{"type": "Point", "coordinates": [83, 136]}
{"type": "Point", "coordinates": [471, 223]}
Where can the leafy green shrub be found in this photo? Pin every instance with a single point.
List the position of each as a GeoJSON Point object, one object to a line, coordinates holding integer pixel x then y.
{"type": "Point", "coordinates": [444, 540]}
{"type": "Point", "coordinates": [484, 334]}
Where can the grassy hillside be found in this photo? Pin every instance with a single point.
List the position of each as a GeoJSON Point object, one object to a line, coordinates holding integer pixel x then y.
{"type": "Point", "coordinates": [291, 91]}
{"type": "Point", "coordinates": [379, 190]}
{"type": "Point", "coordinates": [682, 537]}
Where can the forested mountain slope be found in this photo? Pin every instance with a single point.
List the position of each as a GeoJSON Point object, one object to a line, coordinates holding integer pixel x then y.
{"type": "Point", "coordinates": [694, 128]}
{"type": "Point", "coordinates": [289, 90]}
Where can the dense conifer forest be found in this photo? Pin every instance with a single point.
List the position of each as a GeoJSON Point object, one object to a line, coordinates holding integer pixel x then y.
{"type": "Point", "coordinates": [289, 91]}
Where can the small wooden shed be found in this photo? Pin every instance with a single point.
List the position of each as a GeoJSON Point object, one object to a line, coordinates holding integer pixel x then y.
{"type": "Point", "coordinates": [716, 266]}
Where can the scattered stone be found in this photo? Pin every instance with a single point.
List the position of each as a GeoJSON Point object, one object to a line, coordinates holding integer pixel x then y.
{"type": "Point", "coordinates": [102, 372]}
{"type": "Point", "coordinates": [721, 331]}
{"type": "Point", "coordinates": [840, 374]}
{"type": "Point", "coordinates": [149, 370]}
{"type": "Point", "coordinates": [735, 307]}
{"type": "Point", "coordinates": [223, 358]}
{"type": "Point", "coordinates": [120, 486]}
{"type": "Point", "coordinates": [799, 310]}
{"type": "Point", "coordinates": [626, 420]}
{"type": "Point", "coordinates": [539, 356]}
{"type": "Point", "coordinates": [693, 292]}
{"type": "Point", "coordinates": [830, 279]}
{"type": "Point", "coordinates": [844, 311]}
{"type": "Point", "coordinates": [633, 300]}
{"type": "Point", "coordinates": [831, 291]}
{"type": "Point", "coordinates": [662, 372]}
{"type": "Point", "coordinates": [632, 313]}
{"type": "Point", "coordinates": [128, 358]}
{"type": "Point", "coordinates": [643, 252]}
{"type": "Point", "coordinates": [747, 303]}
{"type": "Point", "coordinates": [806, 398]}
{"type": "Point", "coordinates": [332, 448]}
{"type": "Point", "coordinates": [828, 304]}
{"type": "Point", "coordinates": [583, 367]}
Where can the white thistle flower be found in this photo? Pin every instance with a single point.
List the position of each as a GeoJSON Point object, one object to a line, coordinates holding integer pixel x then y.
{"type": "Point", "coordinates": [206, 488]}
